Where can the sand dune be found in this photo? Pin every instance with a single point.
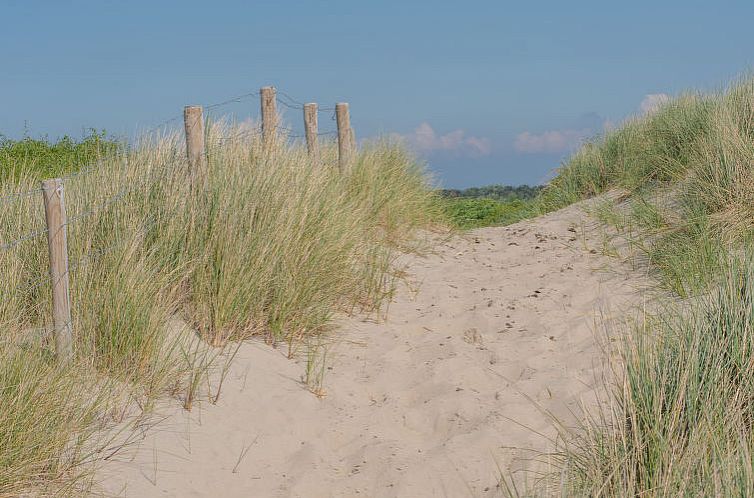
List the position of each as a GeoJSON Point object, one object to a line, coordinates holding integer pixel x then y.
{"type": "Point", "coordinates": [491, 331]}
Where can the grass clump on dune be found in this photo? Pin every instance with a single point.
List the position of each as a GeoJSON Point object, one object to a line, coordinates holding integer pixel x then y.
{"type": "Point", "coordinates": [316, 235]}
{"type": "Point", "coordinates": [681, 420]}
{"type": "Point", "coordinates": [263, 242]}
{"type": "Point", "coordinates": [680, 423]}
{"type": "Point", "coordinates": [46, 417]}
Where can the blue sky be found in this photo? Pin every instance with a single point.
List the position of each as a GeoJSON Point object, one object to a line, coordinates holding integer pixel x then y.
{"type": "Point", "coordinates": [486, 92]}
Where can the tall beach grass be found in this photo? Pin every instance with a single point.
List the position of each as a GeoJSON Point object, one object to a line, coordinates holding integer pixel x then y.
{"type": "Point", "coordinates": [267, 245]}
{"type": "Point", "coordinates": [680, 418]}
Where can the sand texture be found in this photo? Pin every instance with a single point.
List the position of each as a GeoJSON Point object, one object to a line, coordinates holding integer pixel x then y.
{"type": "Point", "coordinates": [488, 333]}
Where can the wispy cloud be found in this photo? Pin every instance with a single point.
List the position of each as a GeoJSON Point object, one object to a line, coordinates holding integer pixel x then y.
{"type": "Point", "coordinates": [551, 142]}
{"type": "Point", "coordinates": [588, 125]}
{"type": "Point", "coordinates": [652, 102]}
{"type": "Point", "coordinates": [425, 140]}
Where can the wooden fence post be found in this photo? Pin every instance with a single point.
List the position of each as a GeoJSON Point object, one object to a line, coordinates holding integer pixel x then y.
{"type": "Point", "coordinates": [269, 114]}
{"type": "Point", "coordinates": [345, 136]}
{"type": "Point", "coordinates": [57, 242]}
{"type": "Point", "coordinates": [310, 127]}
{"type": "Point", "coordinates": [193, 120]}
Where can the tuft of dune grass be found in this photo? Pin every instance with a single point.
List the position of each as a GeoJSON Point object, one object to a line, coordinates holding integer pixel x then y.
{"type": "Point", "coordinates": [263, 243]}
{"type": "Point", "coordinates": [680, 420]}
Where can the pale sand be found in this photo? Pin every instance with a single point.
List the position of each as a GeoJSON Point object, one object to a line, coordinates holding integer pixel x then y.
{"type": "Point", "coordinates": [435, 401]}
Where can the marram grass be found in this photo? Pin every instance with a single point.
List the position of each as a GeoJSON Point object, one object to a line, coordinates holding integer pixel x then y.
{"type": "Point", "coordinates": [261, 243]}
{"type": "Point", "coordinates": [680, 416]}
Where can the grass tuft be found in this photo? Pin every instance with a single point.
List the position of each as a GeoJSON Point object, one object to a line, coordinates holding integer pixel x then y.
{"type": "Point", "coordinates": [681, 412]}
{"type": "Point", "coordinates": [262, 243]}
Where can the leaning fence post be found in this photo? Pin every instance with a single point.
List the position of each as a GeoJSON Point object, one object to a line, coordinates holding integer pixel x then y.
{"type": "Point", "coordinates": [310, 127]}
{"type": "Point", "coordinates": [269, 114]}
{"type": "Point", "coordinates": [57, 242]}
{"type": "Point", "coordinates": [193, 120]}
{"type": "Point", "coordinates": [345, 136]}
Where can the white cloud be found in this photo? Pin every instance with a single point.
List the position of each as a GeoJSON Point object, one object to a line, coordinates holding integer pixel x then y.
{"type": "Point", "coordinates": [424, 139]}
{"type": "Point", "coordinates": [481, 146]}
{"type": "Point", "coordinates": [568, 140]}
{"type": "Point", "coordinates": [552, 141]}
{"type": "Point", "coordinates": [653, 101]}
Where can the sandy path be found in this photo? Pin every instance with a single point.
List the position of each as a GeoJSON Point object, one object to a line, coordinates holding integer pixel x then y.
{"type": "Point", "coordinates": [428, 403]}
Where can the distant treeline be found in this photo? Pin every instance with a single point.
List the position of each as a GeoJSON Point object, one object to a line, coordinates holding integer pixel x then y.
{"type": "Point", "coordinates": [503, 193]}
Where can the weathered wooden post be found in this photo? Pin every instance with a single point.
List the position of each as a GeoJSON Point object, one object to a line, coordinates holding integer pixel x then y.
{"type": "Point", "coordinates": [57, 243]}
{"type": "Point", "coordinates": [310, 127]}
{"type": "Point", "coordinates": [269, 114]}
{"type": "Point", "coordinates": [345, 136]}
{"type": "Point", "coordinates": [193, 120]}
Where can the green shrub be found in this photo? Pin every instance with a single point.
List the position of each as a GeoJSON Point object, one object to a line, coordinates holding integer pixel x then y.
{"type": "Point", "coordinates": [502, 193]}
{"type": "Point", "coordinates": [475, 213]}
{"type": "Point", "coordinates": [41, 158]}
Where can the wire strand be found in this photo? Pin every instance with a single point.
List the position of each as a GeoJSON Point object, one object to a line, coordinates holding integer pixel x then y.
{"type": "Point", "coordinates": [29, 236]}
{"type": "Point", "coordinates": [284, 98]}
{"type": "Point", "coordinates": [92, 256]}
{"type": "Point", "coordinates": [17, 195]}
{"type": "Point", "coordinates": [87, 258]}
{"type": "Point", "coordinates": [231, 100]}
{"type": "Point", "coordinates": [146, 181]}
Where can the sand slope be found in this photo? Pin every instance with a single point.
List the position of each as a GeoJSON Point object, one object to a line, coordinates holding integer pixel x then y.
{"type": "Point", "coordinates": [431, 402]}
